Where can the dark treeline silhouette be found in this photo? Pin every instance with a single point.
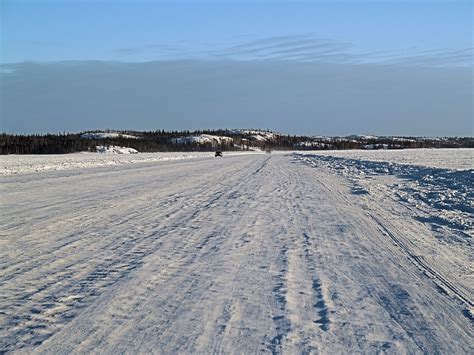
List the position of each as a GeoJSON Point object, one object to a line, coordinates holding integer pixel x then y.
{"type": "Point", "coordinates": [172, 141]}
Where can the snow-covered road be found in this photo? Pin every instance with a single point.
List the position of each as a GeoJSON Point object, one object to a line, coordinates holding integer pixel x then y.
{"type": "Point", "coordinates": [245, 254]}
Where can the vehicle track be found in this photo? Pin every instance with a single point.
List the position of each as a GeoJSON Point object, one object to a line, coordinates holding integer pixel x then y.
{"type": "Point", "coordinates": [236, 255]}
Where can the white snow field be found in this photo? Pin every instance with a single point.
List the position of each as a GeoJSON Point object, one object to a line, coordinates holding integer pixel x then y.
{"type": "Point", "coordinates": [106, 156]}
{"type": "Point", "coordinates": [277, 253]}
{"type": "Point", "coordinates": [454, 159]}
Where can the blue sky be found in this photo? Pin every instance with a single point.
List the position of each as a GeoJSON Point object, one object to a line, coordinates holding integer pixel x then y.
{"type": "Point", "coordinates": [52, 30]}
{"type": "Point", "coordinates": [428, 41]}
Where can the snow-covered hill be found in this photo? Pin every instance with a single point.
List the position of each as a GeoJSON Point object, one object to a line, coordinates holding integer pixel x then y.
{"type": "Point", "coordinates": [259, 135]}
{"type": "Point", "coordinates": [362, 137]}
{"type": "Point", "coordinates": [203, 139]}
{"type": "Point", "coordinates": [107, 135]}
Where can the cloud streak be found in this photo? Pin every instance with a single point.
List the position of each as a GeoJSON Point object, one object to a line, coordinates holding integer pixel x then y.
{"type": "Point", "coordinates": [298, 48]}
{"type": "Point", "coordinates": [309, 48]}
{"type": "Point", "coordinates": [304, 48]}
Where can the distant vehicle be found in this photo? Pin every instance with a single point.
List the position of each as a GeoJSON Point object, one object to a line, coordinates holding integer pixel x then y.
{"type": "Point", "coordinates": [218, 154]}
{"type": "Point", "coordinates": [268, 151]}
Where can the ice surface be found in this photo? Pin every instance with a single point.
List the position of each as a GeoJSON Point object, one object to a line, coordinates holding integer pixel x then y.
{"type": "Point", "coordinates": [447, 195]}
{"type": "Point", "coordinates": [457, 159]}
{"type": "Point", "coordinates": [277, 253]}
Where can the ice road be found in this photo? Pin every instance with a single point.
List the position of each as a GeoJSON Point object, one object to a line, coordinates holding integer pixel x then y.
{"type": "Point", "coordinates": [281, 253]}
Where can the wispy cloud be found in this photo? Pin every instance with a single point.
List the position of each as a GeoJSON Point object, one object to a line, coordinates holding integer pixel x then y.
{"type": "Point", "coordinates": [147, 48]}
{"type": "Point", "coordinates": [310, 48]}
{"type": "Point", "coordinates": [302, 48]}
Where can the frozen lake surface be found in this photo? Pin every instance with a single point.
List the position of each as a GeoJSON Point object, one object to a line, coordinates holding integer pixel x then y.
{"type": "Point", "coordinates": [323, 252]}
{"type": "Point", "coordinates": [458, 159]}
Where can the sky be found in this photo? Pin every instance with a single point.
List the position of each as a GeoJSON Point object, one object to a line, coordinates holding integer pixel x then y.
{"type": "Point", "coordinates": [303, 67]}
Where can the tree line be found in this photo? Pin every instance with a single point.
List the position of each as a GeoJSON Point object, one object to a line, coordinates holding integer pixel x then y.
{"type": "Point", "coordinates": [165, 141]}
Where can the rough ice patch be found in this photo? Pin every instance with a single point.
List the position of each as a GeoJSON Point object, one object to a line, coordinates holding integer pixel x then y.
{"type": "Point", "coordinates": [447, 194]}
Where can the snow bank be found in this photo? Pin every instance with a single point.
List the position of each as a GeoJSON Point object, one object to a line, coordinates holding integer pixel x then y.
{"type": "Point", "coordinates": [21, 164]}
{"type": "Point", "coordinates": [113, 149]}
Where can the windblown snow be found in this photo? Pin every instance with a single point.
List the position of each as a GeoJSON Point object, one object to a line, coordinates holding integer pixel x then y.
{"type": "Point", "coordinates": [276, 253]}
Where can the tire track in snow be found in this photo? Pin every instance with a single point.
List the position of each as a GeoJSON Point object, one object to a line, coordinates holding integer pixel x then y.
{"type": "Point", "coordinates": [306, 314]}
{"type": "Point", "coordinates": [34, 317]}
{"type": "Point", "coordinates": [282, 324]}
{"type": "Point", "coordinates": [445, 285]}
{"type": "Point", "coordinates": [320, 305]}
{"type": "Point", "coordinates": [400, 302]}
{"type": "Point", "coordinates": [225, 251]}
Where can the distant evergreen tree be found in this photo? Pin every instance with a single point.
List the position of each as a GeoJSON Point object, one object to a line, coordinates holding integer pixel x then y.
{"type": "Point", "coordinates": [165, 141]}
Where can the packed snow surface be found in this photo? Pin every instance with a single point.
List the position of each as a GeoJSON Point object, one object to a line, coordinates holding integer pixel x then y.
{"type": "Point", "coordinates": [277, 253]}
{"type": "Point", "coordinates": [21, 164]}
